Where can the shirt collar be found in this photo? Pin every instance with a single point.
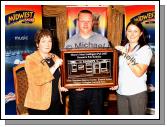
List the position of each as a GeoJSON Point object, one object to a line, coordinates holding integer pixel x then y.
{"type": "Point", "coordinates": [92, 34]}
{"type": "Point", "coordinates": [134, 49]}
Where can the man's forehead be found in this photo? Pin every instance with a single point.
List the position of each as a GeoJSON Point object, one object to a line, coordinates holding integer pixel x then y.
{"type": "Point", "coordinates": [85, 16]}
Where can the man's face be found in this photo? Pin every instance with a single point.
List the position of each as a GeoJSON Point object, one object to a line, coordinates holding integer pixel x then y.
{"type": "Point", "coordinates": [85, 23]}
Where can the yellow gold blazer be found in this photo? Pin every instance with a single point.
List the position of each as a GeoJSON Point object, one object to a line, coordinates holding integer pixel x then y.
{"type": "Point", "coordinates": [39, 82]}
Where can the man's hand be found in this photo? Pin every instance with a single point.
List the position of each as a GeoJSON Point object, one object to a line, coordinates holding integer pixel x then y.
{"type": "Point", "coordinates": [63, 89]}
{"type": "Point", "coordinates": [79, 89]}
{"type": "Point", "coordinates": [113, 87]}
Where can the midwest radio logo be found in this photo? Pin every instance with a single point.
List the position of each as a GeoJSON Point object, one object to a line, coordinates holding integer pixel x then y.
{"type": "Point", "coordinates": [22, 15]}
{"type": "Point", "coordinates": [147, 17]}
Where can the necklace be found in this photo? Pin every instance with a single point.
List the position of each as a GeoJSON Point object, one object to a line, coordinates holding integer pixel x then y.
{"type": "Point", "coordinates": [134, 48]}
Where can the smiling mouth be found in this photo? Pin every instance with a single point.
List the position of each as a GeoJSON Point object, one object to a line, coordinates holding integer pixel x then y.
{"type": "Point", "coordinates": [85, 27]}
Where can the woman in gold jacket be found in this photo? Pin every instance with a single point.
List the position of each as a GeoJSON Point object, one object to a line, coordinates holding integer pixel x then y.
{"type": "Point", "coordinates": [44, 86]}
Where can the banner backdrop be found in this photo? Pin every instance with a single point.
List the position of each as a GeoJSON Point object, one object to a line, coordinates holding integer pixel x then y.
{"type": "Point", "coordinates": [100, 19]}
{"type": "Point", "coordinates": [22, 22]}
{"type": "Point", "coordinates": [146, 15]}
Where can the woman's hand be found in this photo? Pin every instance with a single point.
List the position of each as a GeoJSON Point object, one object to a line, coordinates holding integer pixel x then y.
{"type": "Point", "coordinates": [59, 62]}
{"type": "Point", "coordinates": [63, 89]}
{"type": "Point", "coordinates": [113, 87]}
{"type": "Point", "coordinates": [122, 49]}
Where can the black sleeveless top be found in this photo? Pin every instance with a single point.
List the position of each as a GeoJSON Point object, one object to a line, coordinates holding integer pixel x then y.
{"type": "Point", "coordinates": [55, 82]}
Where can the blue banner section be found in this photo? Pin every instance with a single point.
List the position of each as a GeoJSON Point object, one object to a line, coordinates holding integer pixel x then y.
{"type": "Point", "coordinates": [20, 28]}
{"type": "Point", "coordinates": [19, 42]}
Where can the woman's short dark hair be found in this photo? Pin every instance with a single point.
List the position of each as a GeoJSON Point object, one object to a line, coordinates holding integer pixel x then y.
{"type": "Point", "coordinates": [142, 40]}
{"type": "Point", "coordinates": [41, 33]}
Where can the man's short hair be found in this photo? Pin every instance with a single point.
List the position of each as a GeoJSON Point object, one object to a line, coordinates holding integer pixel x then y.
{"type": "Point", "coordinates": [85, 11]}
